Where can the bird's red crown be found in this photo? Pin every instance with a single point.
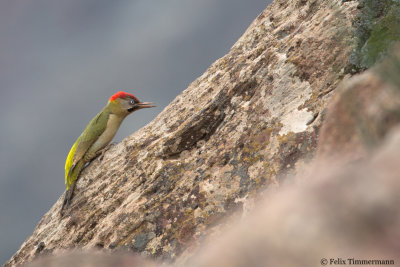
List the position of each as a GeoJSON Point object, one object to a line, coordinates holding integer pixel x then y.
{"type": "Point", "coordinates": [121, 94]}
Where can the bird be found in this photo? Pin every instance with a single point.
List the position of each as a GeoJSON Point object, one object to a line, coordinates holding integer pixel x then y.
{"type": "Point", "coordinates": [95, 139]}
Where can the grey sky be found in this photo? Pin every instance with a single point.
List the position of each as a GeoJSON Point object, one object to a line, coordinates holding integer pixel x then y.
{"type": "Point", "coordinates": [61, 60]}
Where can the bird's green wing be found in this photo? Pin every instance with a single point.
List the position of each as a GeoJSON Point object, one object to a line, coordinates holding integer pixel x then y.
{"type": "Point", "coordinates": [91, 133]}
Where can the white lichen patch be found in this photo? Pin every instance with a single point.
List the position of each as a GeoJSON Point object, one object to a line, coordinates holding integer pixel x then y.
{"type": "Point", "coordinates": [288, 95]}
{"type": "Point", "coordinates": [295, 121]}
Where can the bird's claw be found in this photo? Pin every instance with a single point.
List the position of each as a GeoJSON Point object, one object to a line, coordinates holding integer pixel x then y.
{"type": "Point", "coordinates": [104, 150]}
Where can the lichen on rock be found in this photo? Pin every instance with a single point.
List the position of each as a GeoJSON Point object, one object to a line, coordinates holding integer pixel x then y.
{"type": "Point", "coordinates": [377, 31]}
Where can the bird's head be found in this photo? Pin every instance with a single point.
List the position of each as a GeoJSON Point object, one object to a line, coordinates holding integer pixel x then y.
{"type": "Point", "coordinates": [123, 103]}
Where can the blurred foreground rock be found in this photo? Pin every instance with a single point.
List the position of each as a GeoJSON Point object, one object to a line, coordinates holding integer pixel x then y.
{"type": "Point", "coordinates": [246, 130]}
{"type": "Point", "coordinates": [92, 259]}
{"type": "Point", "coordinates": [364, 109]}
{"type": "Point", "coordinates": [350, 212]}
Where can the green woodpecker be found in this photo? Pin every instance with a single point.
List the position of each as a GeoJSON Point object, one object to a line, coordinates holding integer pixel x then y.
{"type": "Point", "coordinates": [97, 135]}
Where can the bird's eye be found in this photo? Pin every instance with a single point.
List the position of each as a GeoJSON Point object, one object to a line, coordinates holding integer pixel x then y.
{"type": "Point", "coordinates": [132, 102]}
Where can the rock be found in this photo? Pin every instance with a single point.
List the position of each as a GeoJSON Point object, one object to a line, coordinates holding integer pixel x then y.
{"type": "Point", "coordinates": [344, 214]}
{"type": "Point", "coordinates": [251, 122]}
{"type": "Point", "coordinates": [364, 110]}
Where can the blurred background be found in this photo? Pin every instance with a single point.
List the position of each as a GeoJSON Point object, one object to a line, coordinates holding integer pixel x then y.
{"type": "Point", "coordinates": [60, 61]}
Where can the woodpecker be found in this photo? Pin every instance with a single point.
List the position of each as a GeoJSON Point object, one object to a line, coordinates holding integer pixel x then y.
{"type": "Point", "coordinates": [97, 135]}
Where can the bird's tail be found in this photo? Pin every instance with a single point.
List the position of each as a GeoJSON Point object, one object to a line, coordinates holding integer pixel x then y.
{"type": "Point", "coordinates": [71, 180]}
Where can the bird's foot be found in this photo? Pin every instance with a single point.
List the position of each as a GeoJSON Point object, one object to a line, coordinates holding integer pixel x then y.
{"type": "Point", "coordinates": [104, 150]}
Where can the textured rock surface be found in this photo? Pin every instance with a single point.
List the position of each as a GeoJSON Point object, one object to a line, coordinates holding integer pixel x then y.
{"type": "Point", "coordinates": [349, 212]}
{"type": "Point", "coordinates": [345, 202]}
{"type": "Point", "coordinates": [248, 122]}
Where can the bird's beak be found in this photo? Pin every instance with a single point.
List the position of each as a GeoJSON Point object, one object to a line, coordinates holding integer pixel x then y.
{"type": "Point", "coordinates": [144, 105]}
{"type": "Point", "coordinates": [141, 105]}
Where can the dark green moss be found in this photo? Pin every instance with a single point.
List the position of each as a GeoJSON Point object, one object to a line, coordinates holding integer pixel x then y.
{"type": "Point", "coordinates": [377, 29]}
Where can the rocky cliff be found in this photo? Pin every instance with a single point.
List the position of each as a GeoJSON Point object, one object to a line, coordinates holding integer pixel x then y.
{"type": "Point", "coordinates": [248, 125]}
